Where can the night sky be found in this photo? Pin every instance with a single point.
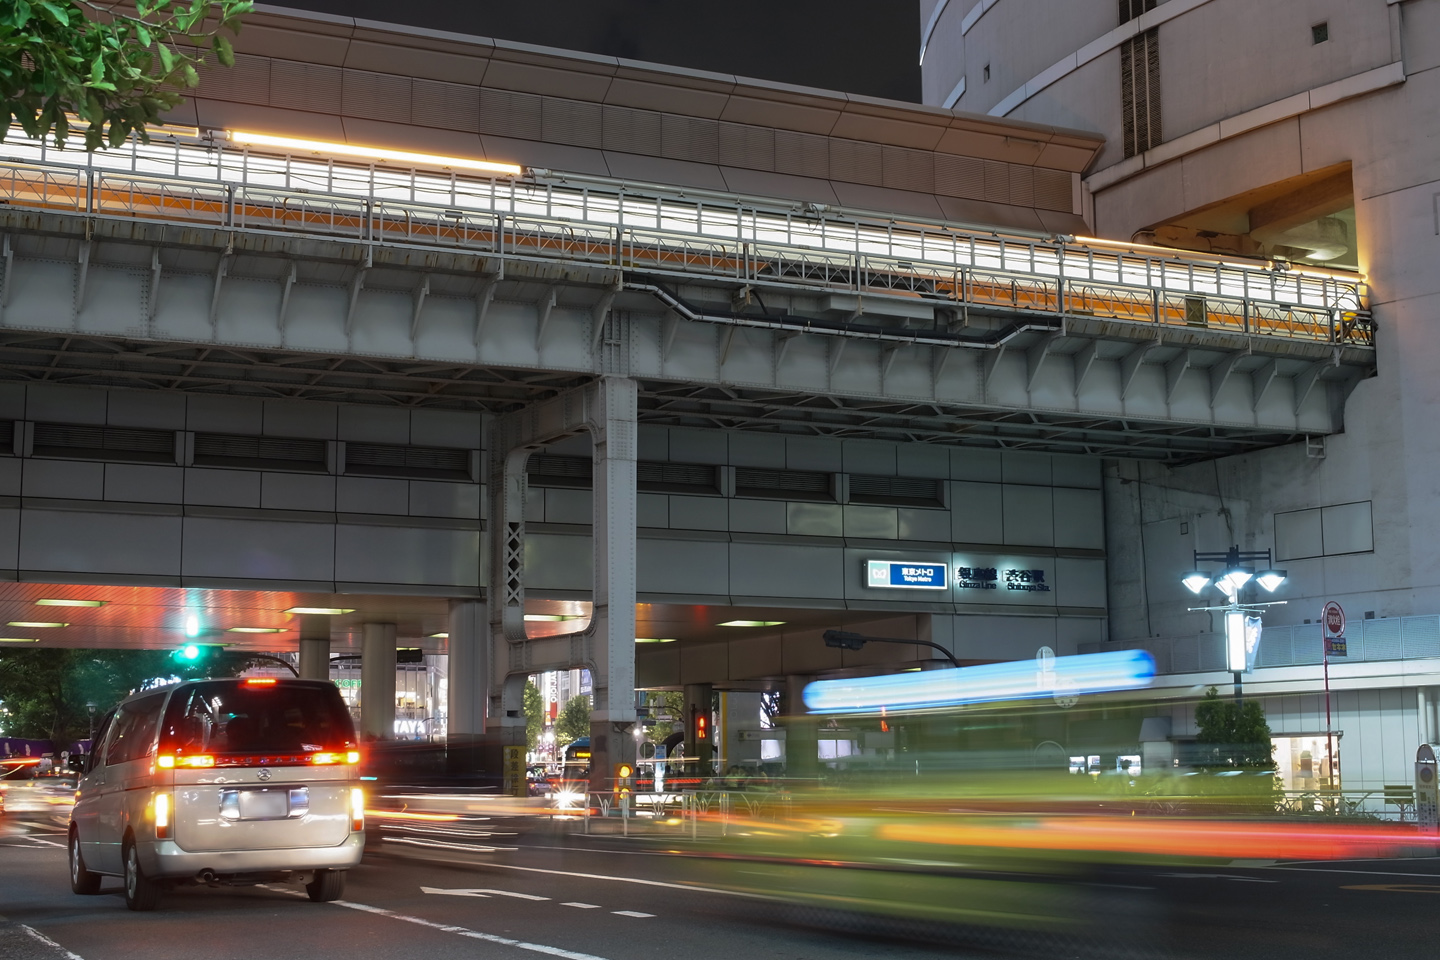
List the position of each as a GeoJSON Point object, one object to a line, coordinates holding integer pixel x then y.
{"type": "Point", "coordinates": [858, 46]}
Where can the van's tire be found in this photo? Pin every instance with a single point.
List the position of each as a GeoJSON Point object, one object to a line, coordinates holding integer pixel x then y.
{"type": "Point", "coordinates": [328, 885]}
{"type": "Point", "coordinates": [82, 881]}
{"type": "Point", "coordinates": [141, 893]}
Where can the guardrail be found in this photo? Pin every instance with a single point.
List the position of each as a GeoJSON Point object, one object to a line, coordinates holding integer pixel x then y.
{"type": "Point", "coordinates": [685, 809]}
{"type": "Point", "coordinates": [661, 231]}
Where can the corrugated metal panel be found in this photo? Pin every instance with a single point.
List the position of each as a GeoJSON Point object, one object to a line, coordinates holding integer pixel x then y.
{"type": "Point", "coordinates": [510, 114]}
{"type": "Point", "coordinates": [1306, 646]}
{"type": "Point", "coordinates": [575, 122]}
{"type": "Point", "coordinates": [689, 138]}
{"type": "Point", "coordinates": [742, 145]}
{"type": "Point", "coordinates": [997, 181]}
{"type": "Point", "coordinates": [1420, 636]}
{"type": "Point", "coordinates": [454, 106]}
{"type": "Point", "coordinates": [895, 490]}
{"type": "Point", "coordinates": [1274, 647]}
{"type": "Point", "coordinates": [1053, 190]}
{"type": "Point", "coordinates": [246, 82]}
{"type": "Point", "coordinates": [1185, 654]}
{"type": "Point", "coordinates": [960, 176]}
{"type": "Point", "coordinates": [1381, 640]}
{"type": "Point", "coordinates": [908, 169]}
{"type": "Point", "coordinates": [103, 443]}
{"type": "Point", "coordinates": [227, 450]}
{"type": "Point", "coordinates": [632, 131]}
{"type": "Point", "coordinates": [802, 154]}
{"type": "Point", "coordinates": [305, 86]}
{"type": "Point", "coordinates": [662, 477]}
{"type": "Point", "coordinates": [754, 482]}
{"type": "Point", "coordinates": [375, 96]}
{"type": "Point", "coordinates": [1022, 184]}
{"type": "Point", "coordinates": [1212, 652]}
{"type": "Point", "coordinates": [390, 460]}
{"type": "Point", "coordinates": [545, 470]}
{"type": "Point", "coordinates": [857, 162]}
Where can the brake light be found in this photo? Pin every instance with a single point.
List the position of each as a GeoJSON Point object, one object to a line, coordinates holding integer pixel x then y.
{"type": "Point", "coordinates": [162, 816]}
{"type": "Point", "coordinates": [353, 756]}
{"type": "Point", "coordinates": [199, 760]}
{"type": "Point", "coordinates": [357, 809]}
{"type": "Point", "coordinates": [259, 681]}
{"type": "Point", "coordinates": [166, 762]}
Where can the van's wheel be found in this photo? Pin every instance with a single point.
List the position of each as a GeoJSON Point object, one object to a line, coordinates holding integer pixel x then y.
{"type": "Point", "coordinates": [82, 881]}
{"type": "Point", "coordinates": [328, 885]}
{"type": "Point", "coordinates": [141, 893]}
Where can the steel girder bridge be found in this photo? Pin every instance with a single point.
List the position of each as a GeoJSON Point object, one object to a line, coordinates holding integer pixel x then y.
{"type": "Point", "coordinates": [194, 263]}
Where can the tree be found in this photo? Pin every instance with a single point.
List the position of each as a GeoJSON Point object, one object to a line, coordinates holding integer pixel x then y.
{"type": "Point", "coordinates": [574, 720]}
{"type": "Point", "coordinates": [1238, 735]}
{"type": "Point", "coordinates": [44, 691]}
{"type": "Point", "coordinates": [534, 715]}
{"type": "Point", "coordinates": [116, 71]}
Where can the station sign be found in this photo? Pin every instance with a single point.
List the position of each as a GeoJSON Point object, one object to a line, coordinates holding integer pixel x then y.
{"type": "Point", "coordinates": [907, 575]}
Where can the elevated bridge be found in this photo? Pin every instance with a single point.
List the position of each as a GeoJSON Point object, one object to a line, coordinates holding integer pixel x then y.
{"type": "Point", "coordinates": [278, 267]}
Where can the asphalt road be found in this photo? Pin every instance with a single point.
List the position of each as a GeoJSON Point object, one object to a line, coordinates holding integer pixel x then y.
{"type": "Point", "coordinates": [552, 894]}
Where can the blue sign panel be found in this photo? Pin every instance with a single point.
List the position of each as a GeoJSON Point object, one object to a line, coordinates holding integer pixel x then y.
{"type": "Point", "coordinates": [905, 574]}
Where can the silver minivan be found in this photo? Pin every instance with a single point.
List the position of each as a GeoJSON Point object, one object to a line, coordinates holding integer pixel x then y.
{"type": "Point", "coordinates": [235, 781]}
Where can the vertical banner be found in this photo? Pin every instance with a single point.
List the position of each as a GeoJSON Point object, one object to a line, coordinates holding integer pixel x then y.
{"type": "Point", "coordinates": [1252, 642]}
{"type": "Point", "coordinates": [515, 785]}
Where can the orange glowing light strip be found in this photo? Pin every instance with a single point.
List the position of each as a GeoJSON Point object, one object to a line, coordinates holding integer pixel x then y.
{"type": "Point", "coordinates": [375, 153]}
{"type": "Point", "coordinates": [401, 815]}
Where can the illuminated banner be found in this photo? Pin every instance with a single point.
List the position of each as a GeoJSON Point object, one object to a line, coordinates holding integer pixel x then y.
{"type": "Point", "coordinates": [1012, 680]}
{"type": "Point", "coordinates": [906, 575]}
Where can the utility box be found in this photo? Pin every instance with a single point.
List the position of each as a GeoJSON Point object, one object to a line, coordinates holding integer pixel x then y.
{"type": "Point", "coordinates": [1427, 790]}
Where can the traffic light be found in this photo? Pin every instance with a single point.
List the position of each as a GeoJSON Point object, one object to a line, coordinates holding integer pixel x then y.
{"type": "Point", "coordinates": [189, 653]}
{"type": "Point", "coordinates": [702, 726]}
{"type": "Point", "coordinates": [624, 785]}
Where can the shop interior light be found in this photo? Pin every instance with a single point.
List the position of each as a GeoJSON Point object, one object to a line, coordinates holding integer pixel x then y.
{"type": "Point", "coordinates": [1270, 579]}
{"type": "Point", "coordinates": [19, 639]}
{"type": "Point", "coordinates": [751, 623]}
{"type": "Point", "coordinates": [35, 624]}
{"type": "Point", "coordinates": [655, 640]}
{"type": "Point", "coordinates": [256, 630]}
{"type": "Point", "coordinates": [439, 636]}
{"type": "Point", "coordinates": [374, 153]}
{"type": "Point", "coordinates": [322, 611]}
{"type": "Point", "coordinates": [1196, 581]}
{"type": "Point", "coordinates": [63, 602]}
{"type": "Point", "coordinates": [548, 618]}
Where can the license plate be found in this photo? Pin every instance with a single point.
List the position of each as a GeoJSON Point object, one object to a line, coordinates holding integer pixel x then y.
{"type": "Point", "coordinates": [266, 803]}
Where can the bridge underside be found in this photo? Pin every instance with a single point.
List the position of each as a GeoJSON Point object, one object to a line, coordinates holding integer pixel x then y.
{"type": "Point", "coordinates": [135, 303]}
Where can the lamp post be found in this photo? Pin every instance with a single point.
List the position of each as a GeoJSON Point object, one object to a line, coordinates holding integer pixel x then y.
{"type": "Point", "coordinates": [845, 640]}
{"type": "Point", "coordinates": [1238, 571]}
{"type": "Point", "coordinates": [90, 707]}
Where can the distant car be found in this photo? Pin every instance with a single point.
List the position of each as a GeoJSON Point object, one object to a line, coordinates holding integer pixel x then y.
{"type": "Point", "coordinates": [236, 781]}
{"type": "Point", "coordinates": [40, 798]}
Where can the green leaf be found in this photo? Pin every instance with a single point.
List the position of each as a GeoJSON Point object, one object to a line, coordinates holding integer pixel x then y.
{"type": "Point", "coordinates": [192, 79]}
{"type": "Point", "coordinates": [143, 33]}
{"type": "Point", "coordinates": [61, 15]}
{"type": "Point", "coordinates": [167, 59]}
{"type": "Point", "coordinates": [97, 70]}
{"type": "Point", "coordinates": [224, 52]}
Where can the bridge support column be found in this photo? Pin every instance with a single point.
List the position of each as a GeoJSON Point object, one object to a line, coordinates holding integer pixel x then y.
{"type": "Point", "coordinates": [612, 628]}
{"type": "Point", "coordinates": [606, 409]}
{"type": "Point", "coordinates": [314, 647]}
{"type": "Point", "coordinates": [802, 740]}
{"type": "Point", "coordinates": [377, 681]}
{"type": "Point", "coordinates": [699, 712]}
{"type": "Point", "coordinates": [467, 672]}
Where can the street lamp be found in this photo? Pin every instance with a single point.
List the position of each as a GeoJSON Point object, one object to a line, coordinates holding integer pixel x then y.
{"type": "Point", "coordinates": [90, 706]}
{"type": "Point", "coordinates": [845, 640]}
{"type": "Point", "coordinates": [1235, 573]}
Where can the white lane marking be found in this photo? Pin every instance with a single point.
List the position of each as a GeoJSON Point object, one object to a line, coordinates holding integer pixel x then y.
{"type": "Point", "coordinates": [582, 906]}
{"type": "Point", "coordinates": [50, 943]}
{"type": "Point", "coordinates": [467, 932]}
{"type": "Point", "coordinates": [285, 890]}
{"type": "Point", "coordinates": [693, 888]}
{"type": "Point", "coordinates": [1369, 873]}
{"type": "Point", "coordinates": [631, 913]}
{"type": "Point", "coordinates": [480, 892]}
{"type": "Point", "coordinates": [48, 843]}
{"type": "Point", "coordinates": [442, 845]}
{"type": "Point", "coordinates": [1215, 876]}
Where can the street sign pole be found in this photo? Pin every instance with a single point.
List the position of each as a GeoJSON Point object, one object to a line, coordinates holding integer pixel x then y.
{"type": "Point", "coordinates": [1332, 627]}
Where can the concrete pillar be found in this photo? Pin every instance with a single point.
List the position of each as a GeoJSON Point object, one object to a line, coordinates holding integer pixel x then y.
{"type": "Point", "coordinates": [698, 700]}
{"type": "Point", "coordinates": [314, 647]}
{"type": "Point", "coordinates": [802, 740]}
{"type": "Point", "coordinates": [740, 714]}
{"type": "Point", "coordinates": [377, 681]}
{"type": "Point", "coordinates": [467, 673]}
{"type": "Point", "coordinates": [612, 629]}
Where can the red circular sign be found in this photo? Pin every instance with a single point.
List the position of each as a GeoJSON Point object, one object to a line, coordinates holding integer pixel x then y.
{"type": "Point", "coordinates": [1334, 619]}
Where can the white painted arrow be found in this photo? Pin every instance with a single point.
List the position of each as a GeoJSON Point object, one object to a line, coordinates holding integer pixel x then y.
{"type": "Point", "coordinates": [481, 892]}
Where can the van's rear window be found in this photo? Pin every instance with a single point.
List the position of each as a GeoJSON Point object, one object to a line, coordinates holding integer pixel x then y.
{"type": "Point", "coordinates": [226, 717]}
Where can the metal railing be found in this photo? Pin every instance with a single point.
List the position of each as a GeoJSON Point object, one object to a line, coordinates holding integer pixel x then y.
{"type": "Point", "coordinates": [667, 232]}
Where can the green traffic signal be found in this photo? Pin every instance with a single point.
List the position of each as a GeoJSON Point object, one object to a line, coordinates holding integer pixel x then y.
{"type": "Point", "coordinates": [190, 652]}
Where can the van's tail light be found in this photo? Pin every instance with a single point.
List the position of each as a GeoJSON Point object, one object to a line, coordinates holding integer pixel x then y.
{"type": "Point", "coordinates": [357, 809]}
{"type": "Point", "coordinates": [168, 762]}
{"type": "Point", "coordinates": [351, 756]}
{"type": "Point", "coordinates": [162, 816]}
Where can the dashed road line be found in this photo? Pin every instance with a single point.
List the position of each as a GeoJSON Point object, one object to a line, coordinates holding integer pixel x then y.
{"type": "Point", "coordinates": [37, 935]}
{"type": "Point", "coordinates": [472, 934]}
{"type": "Point", "coordinates": [632, 913]}
{"type": "Point", "coordinates": [581, 906]}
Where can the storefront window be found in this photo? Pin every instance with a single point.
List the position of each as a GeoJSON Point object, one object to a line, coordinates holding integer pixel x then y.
{"type": "Point", "coordinates": [1303, 762]}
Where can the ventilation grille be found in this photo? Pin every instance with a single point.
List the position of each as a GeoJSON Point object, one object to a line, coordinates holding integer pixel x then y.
{"type": "Point", "coordinates": [420, 463]}
{"type": "Point", "coordinates": [552, 471]}
{"type": "Point", "coordinates": [784, 484]}
{"type": "Point", "coordinates": [658, 477]}
{"type": "Point", "coordinates": [1139, 82]}
{"type": "Point", "coordinates": [103, 443]}
{"type": "Point", "coordinates": [275, 453]}
{"type": "Point", "coordinates": [7, 436]}
{"type": "Point", "coordinates": [905, 491]}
